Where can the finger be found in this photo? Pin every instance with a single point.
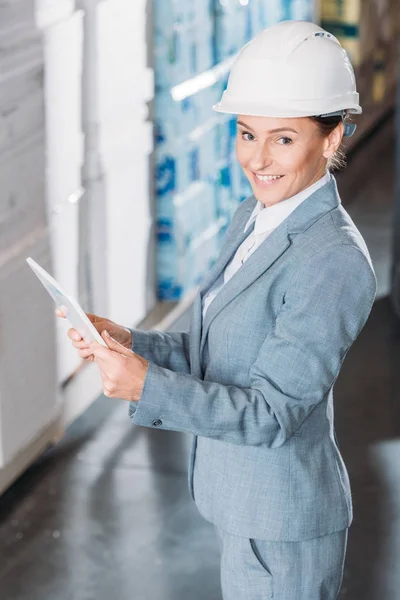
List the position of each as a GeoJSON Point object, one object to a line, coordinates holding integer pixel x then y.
{"type": "Point", "coordinates": [85, 353]}
{"type": "Point", "coordinates": [114, 345]}
{"type": "Point", "coordinates": [82, 344]}
{"type": "Point", "coordinates": [60, 313]}
{"type": "Point", "coordinates": [101, 353]}
{"type": "Point", "coordinates": [94, 318]}
{"type": "Point", "coordinates": [98, 322]}
{"type": "Point", "coordinates": [74, 335]}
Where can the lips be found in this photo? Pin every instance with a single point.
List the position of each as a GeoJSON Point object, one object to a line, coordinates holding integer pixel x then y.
{"type": "Point", "coordinates": [266, 180]}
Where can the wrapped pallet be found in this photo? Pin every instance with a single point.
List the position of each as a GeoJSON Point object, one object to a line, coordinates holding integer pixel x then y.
{"type": "Point", "coordinates": [28, 393]}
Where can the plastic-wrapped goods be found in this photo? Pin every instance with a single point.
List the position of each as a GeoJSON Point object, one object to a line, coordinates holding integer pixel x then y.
{"type": "Point", "coordinates": [272, 12]}
{"type": "Point", "coordinates": [260, 15]}
{"type": "Point", "coordinates": [178, 112]}
{"type": "Point", "coordinates": [204, 37]}
{"type": "Point", "coordinates": [194, 154]}
{"type": "Point", "coordinates": [232, 27]}
{"type": "Point", "coordinates": [264, 14]}
{"type": "Point", "coordinates": [302, 10]}
{"type": "Point", "coordinates": [286, 7]}
{"type": "Point", "coordinates": [172, 56]}
{"type": "Point", "coordinates": [206, 152]}
{"type": "Point", "coordinates": [168, 12]}
{"type": "Point", "coordinates": [194, 212]}
{"type": "Point", "coordinates": [203, 9]}
{"type": "Point", "coordinates": [183, 42]}
{"type": "Point", "coordinates": [254, 17]}
{"type": "Point", "coordinates": [298, 10]}
{"type": "Point", "coordinates": [169, 286]}
{"type": "Point", "coordinates": [226, 136]}
{"type": "Point", "coordinates": [231, 180]}
{"type": "Point", "coordinates": [200, 255]}
{"type": "Point", "coordinates": [229, 183]}
{"type": "Point", "coordinates": [205, 99]}
{"type": "Point", "coordinates": [240, 186]}
{"type": "Point", "coordinates": [182, 125]}
{"type": "Point", "coordinates": [184, 226]}
{"type": "Point", "coordinates": [176, 169]}
{"type": "Point", "coordinates": [188, 159]}
{"type": "Point", "coordinates": [223, 190]}
{"type": "Point", "coordinates": [173, 119]}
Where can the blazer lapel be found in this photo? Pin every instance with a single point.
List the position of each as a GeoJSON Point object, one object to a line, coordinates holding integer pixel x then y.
{"type": "Point", "coordinates": [236, 237]}
{"type": "Point", "coordinates": [259, 262]}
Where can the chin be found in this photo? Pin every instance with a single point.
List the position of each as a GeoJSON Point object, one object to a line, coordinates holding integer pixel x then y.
{"type": "Point", "coordinates": [269, 198]}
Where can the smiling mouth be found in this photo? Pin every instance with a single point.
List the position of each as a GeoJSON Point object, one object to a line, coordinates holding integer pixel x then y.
{"type": "Point", "coordinates": [267, 179]}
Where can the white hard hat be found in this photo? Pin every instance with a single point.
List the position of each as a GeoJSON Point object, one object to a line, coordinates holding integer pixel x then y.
{"type": "Point", "coordinates": [292, 69]}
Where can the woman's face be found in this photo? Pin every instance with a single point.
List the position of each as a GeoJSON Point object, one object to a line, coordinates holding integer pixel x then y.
{"type": "Point", "coordinates": [281, 157]}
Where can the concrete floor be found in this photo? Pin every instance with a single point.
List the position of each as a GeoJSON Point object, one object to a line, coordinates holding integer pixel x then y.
{"type": "Point", "coordinates": [107, 515]}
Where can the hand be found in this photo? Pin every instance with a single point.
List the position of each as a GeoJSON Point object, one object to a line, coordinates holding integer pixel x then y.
{"type": "Point", "coordinates": [119, 333]}
{"type": "Point", "coordinates": [122, 371]}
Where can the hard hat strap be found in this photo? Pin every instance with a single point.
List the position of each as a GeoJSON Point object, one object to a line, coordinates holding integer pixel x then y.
{"type": "Point", "coordinates": [349, 128]}
{"type": "Point", "coordinates": [338, 113]}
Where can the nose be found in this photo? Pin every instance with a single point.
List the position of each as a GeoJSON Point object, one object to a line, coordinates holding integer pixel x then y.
{"type": "Point", "coordinates": [261, 159]}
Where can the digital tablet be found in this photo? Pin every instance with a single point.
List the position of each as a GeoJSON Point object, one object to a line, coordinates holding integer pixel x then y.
{"type": "Point", "coordinates": [73, 312]}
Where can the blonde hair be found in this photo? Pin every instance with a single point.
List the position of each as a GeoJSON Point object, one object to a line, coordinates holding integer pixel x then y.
{"type": "Point", "coordinates": [326, 125]}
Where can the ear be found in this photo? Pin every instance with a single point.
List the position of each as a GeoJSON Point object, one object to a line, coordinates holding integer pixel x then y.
{"type": "Point", "coordinates": [333, 141]}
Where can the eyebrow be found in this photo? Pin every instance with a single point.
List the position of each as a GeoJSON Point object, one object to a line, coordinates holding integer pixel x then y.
{"type": "Point", "coordinates": [271, 131]}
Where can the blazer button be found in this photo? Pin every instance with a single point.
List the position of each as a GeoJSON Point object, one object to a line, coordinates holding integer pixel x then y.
{"type": "Point", "coordinates": [157, 423]}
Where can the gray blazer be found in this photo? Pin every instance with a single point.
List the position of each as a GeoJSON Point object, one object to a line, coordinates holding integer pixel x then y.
{"type": "Point", "coordinates": [254, 383]}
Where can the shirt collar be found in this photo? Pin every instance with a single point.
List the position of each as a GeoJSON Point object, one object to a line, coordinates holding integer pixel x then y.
{"type": "Point", "coordinates": [269, 217]}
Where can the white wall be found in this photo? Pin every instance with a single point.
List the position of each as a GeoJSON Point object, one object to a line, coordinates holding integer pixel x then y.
{"type": "Point", "coordinates": [123, 85]}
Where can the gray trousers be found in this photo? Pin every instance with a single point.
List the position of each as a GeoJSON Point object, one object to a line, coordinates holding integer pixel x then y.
{"type": "Point", "coordinates": [262, 570]}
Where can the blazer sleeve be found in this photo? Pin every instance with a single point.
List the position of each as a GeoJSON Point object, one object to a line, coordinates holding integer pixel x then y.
{"type": "Point", "coordinates": [323, 312]}
{"type": "Point", "coordinates": [167, 349]}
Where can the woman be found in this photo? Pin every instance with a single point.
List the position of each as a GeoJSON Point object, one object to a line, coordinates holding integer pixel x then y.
{"type": "Point", "coordinates": [271, 325]}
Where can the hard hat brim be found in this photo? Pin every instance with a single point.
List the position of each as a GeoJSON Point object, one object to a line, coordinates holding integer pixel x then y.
{"type": "Point", "coordinates": [303, 108]}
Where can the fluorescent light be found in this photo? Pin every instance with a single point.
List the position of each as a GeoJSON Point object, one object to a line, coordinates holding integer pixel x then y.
{"type": "Point", "coordinates": [201, 82]}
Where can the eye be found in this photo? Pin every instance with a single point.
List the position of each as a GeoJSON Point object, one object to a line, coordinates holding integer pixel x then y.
{"type": "Point", "coordinates": [250, 137]}
{"type": "Point", "coordinates": [285, 141]}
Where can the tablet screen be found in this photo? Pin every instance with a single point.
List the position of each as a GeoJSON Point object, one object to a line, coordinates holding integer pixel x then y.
{"type": "Point", "coordinates": [72, 310]}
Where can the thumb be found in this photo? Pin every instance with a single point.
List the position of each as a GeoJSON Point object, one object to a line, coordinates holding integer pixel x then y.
{"type": "Point", "coordinates": [114, 345]}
